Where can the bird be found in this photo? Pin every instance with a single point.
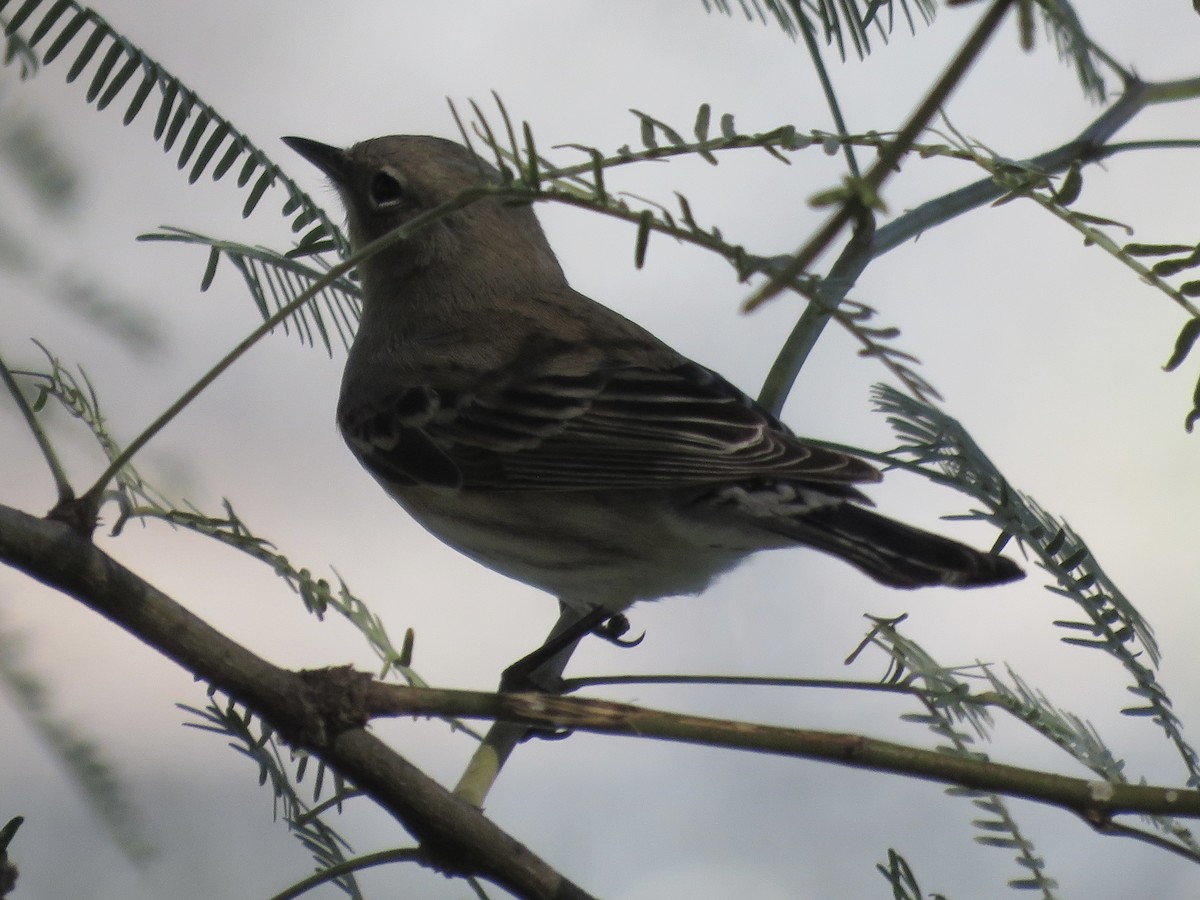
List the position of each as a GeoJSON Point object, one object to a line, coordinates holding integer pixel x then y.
{"type": "Point", "coordinates": [559, 443]}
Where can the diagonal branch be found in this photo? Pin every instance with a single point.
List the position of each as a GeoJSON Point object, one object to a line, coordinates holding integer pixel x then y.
{"type": "Point", "coordinates": [456, 836]}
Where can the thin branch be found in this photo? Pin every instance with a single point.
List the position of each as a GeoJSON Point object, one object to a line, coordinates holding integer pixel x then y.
{"type": "Point", "coordinates": [1146, 837]}
{"type": "Point", "coordinates": [576, 684]}
{"type": "Point", "coordinates": [1095, 800]}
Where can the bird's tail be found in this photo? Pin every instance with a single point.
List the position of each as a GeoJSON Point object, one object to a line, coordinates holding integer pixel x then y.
{"type": "Point", "coordinates": [897, 554]}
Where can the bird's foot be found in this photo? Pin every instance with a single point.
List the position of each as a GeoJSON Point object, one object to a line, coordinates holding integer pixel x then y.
{"type": "Point", "coordinates": [613, 630]}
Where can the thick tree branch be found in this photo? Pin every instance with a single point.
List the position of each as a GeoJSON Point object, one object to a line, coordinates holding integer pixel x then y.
{"type": "Point", "coordinates": [455, 836]}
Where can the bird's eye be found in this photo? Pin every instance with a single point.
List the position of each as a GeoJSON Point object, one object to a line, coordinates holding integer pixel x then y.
{"type": "Point", "coordinates": [386, 190]}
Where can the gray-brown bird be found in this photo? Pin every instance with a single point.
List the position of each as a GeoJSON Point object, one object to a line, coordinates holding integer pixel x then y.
{"type": "Point", "coordinates": [559, 443]}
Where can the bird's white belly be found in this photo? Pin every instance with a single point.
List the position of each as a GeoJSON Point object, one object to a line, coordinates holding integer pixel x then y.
{"type": "Point", "coordinates": [589, 549]}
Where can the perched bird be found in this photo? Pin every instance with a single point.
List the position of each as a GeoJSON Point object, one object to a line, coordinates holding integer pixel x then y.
{"type": "Point", "coordinates": [559, 443]}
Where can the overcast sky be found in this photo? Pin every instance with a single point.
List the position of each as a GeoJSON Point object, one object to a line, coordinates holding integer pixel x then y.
{"type": "Point", "coordinates": [1050, 352]}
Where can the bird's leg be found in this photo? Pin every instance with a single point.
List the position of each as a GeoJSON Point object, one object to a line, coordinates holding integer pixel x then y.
{"type": "Point", "coordinates": [540, 670]}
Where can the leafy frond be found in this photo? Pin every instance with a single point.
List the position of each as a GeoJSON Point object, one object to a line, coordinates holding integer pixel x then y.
{"type": "Point", "coordinates": [96, 777]}
{"type": "Point", "coordinates": [207, 142]}
{"type": "Point", "coordinates": [835, 21]}
{"type": "Point", "coordinates": [276, 280]}
{"type": "Point", "coordinates": [256, 740]}
{"type": "Point", "coordinates": [936, 446]}
{"type": "Point", "coordinates": [78, 397]}
{"type": "Point", "coordinates": [202, 140]}
{"type": "Point", "coordinates": [899, 874]}
{"type": "Point", "coordinates": [1065, 729]}
{"type": "Point", "coordinates": [947, 703]}
{"type": "Point", "coordinates": [1077, 737]}
{"type": "Point", "coordinates": [316, 593]}
{"type": "Point", "coordinates": [1001, 830]}
{"type": "Point", "coordinates": [856, 317]}
{"type": "Point", "coordinates": [1073, 45]}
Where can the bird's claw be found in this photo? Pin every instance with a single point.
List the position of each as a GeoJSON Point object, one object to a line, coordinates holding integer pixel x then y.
{"type": "Point", "coordinates": [613, 630]}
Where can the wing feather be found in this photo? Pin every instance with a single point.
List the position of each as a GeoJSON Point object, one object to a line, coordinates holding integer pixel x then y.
{"type": "Point", "coordinates": [625, 428]}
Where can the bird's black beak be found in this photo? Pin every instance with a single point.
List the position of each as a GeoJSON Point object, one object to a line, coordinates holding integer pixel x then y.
{"type": "Point", "coordinates": [333, 161]}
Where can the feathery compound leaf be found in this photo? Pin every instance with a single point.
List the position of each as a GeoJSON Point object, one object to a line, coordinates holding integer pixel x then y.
{"type": "Point", "coordinates": [275, 280]}
{"type": "Point", "coordinates": [947, 701]}
{"type": "Point", "coordinates": [900, 876]}
{"type": "Point", "coordinates": [839, 21]}
{"type": "Point", "coordinates": [937, 446]}
{"type": "Point", "coordinates": [1073, 44]}
{"type": "Point", "coordinates": [305, 822]}
{"type": "Point", "coordinates": [78, 398]}
{"type": "Point", "coordinates": [178, 107]}
{"type": "Point", "coordinates": [317, 594]}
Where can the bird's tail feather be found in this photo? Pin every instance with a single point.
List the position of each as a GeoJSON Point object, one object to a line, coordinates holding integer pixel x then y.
{"type": "Point", "coordinates": [896, 554]}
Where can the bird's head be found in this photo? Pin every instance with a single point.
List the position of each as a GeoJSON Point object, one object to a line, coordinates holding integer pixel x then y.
{"type": "Point", "coordinates": [390, 181]}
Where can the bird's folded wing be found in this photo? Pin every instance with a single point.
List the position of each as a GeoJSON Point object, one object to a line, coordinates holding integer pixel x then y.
{"type": "Point", "coordinates": [624, 428]}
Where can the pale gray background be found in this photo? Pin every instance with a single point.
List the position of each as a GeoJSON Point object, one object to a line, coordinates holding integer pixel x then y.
{"type": "Point", "coordinates": [1048, 350]}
